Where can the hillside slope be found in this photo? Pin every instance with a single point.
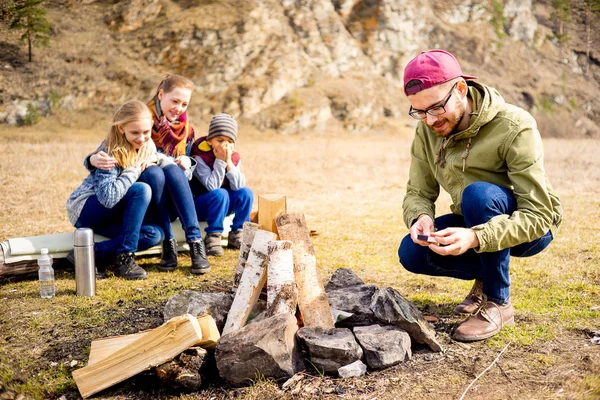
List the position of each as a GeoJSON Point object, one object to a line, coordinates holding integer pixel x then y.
{"type": "Point", "coordinates": [297, 65]}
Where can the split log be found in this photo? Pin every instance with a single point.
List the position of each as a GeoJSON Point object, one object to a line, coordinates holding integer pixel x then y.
{"type": "Point", "coordinates": [282, 292]}
{"type": "Point", "coordinates": [253, 280]}
{"type": "Point", "coordinates": [248, 234]}
{"type": "Point", "coordinates": [312, 299]}
{"type": "Point", "coordinates": [102, 348]}
{"type": "Point", "coordinates": [154, 348]}
{"type": "Point", "coordinates": [270, 206]}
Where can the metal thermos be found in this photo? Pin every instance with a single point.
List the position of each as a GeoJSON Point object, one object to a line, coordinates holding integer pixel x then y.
{"type": "Point", "coordinates": [85, 268]}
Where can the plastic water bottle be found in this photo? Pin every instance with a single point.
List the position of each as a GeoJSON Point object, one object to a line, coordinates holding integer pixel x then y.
{"type": "Point", "coordinates": [46, 273]}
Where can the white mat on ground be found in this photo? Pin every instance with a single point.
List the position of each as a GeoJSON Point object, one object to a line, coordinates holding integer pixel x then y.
{"type": "Point", "coordinates": [59, 245]}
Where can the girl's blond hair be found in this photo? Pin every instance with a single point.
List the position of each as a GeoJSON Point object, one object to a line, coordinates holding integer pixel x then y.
{"type": "Point", "coordinates": [172, 82]}
{"type": "Point", "coordinates": [116, 142]}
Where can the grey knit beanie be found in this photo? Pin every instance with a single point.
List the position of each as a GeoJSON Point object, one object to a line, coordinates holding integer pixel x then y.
{"type": "Point", "coordinates": [223, 125]}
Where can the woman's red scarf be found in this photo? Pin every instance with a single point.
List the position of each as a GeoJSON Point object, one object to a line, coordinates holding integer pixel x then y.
{"type": "Point", "coordinates": [172, 138]}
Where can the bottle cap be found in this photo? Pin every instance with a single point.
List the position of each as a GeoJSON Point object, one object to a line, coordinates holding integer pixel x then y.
{"type": "Point", "coordinates": [83, 237]}
{"type": "Point", "coordinates": [44, 251]}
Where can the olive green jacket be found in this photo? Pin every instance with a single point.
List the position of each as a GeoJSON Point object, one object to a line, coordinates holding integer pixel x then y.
{"type": "Point", "coordinates": [501, 146]}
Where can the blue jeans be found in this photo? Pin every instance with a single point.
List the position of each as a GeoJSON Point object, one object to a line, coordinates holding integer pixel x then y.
{"type": "Point", "coordinates": [480, 202]}
{"type": "Point", "coordinates": [215, 205]}
{"type": "Point", "coordinates": [173, 199]}
{"type": "Point", "coordinates": [122, 224]}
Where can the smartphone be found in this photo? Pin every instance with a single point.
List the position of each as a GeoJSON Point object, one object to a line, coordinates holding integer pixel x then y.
{"type": "Point", "coordinates": [427, 238]}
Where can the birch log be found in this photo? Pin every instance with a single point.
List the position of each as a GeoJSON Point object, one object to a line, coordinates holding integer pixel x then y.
{"type": "Point", "coordinates": [253, 280]}
{"type": "Point", "coordinates": [312, 299]}
{"type": "Point", "coordinates": [248, 233]}
{"type": "Point", "coordinates": [282, 292]}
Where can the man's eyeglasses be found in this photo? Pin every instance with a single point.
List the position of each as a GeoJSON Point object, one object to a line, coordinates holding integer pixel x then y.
{"type": "Point", "coordinates": [435, 110]}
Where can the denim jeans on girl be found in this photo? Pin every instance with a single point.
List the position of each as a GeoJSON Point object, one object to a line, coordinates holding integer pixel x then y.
{"type": "Point", "coordinates": [122, 224]}
{"type": "Point", "coordinates": [172, 198]}
{"type": "Point", "coordinates": [480, 202]}
{"type": "Point", "coordinates": [215, 205]}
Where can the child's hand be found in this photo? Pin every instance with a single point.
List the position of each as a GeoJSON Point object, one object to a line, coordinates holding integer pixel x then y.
{"type": "Point", "coordinates": [220, 152]}
{"type": "Point", "coordinates": [228, 147]}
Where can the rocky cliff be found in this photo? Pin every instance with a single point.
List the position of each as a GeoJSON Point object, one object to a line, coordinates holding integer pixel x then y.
{"type": "Point", "coordinates": [295, 65]}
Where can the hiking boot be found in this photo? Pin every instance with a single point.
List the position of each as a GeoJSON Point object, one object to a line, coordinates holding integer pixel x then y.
{"type": "Point", "coordinates": [100, 264]}
{"type": "Point", "coordinates": [473, 300]}
{"type": "Point", "coordinates": [199, 262]}
{"type": "Point", "coordinates": [126, 267]}
{"type": "Point", "coordinates": [234, 240]}
{"type": "Point", "coordinates": [212, 241]}
{"type": "Point", "coordinates": [486, 322]}
{"type": "Point", "coordinates": [168, 261]}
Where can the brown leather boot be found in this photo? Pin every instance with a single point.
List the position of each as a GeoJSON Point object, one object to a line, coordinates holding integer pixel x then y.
{"type": "Point", "coordinates": [488, 321]}
{"type": "Point", "coordinates": [473, 300]}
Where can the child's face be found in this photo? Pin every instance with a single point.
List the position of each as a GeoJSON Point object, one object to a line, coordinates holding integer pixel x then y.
{"type": "Point", "coordinates": [220, 141]}
{"type": "Point", "coordinates": [174, 103]}
{"type": "Point", "coordinates": [137, 133]}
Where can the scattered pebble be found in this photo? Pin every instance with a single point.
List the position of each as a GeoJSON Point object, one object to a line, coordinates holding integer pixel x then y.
{"type": "Point", "coordinates": [53, 364]}
{"type": "Point", "coordinates": [12, 290]}
{"type": "Point", "coordinates": [73, 363]}
{"type": "Point", "coordinates": [428, 357]}
{"type": "Point", "coordinates": [595, 340]}
{"type": "Point", "coordinates": [141, 309]}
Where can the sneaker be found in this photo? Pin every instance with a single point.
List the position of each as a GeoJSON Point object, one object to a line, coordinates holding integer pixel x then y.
{"type": "Point", "coordinates": [199, 262]}
{"type": "Point", "coordinates": [473, 301]}
{"type": "Point", "coordinates": [486, 322]}
{"type": "Point", "coordinates": [212, 242]}
{"type": "Point", "coordinates": [234, 240]}
{"type": "Point", "coordinates": [126, 267]}
{"type": "Point", "coordinates": [168, 262]}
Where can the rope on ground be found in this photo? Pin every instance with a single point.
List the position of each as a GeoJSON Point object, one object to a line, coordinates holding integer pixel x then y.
{"type": "Point", "coordinates": [484, 371]}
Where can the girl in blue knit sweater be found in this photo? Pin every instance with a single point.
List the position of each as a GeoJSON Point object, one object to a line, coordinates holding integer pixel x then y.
{"type": "Point", "coordinates": [113, 203]}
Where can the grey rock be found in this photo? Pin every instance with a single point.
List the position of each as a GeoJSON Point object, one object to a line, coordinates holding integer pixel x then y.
{"type": "Point", "coordinates": [383, 346]}
{"type": "Point", "coordinates": [355, 300]}
{"type": "Point", "coordinates": [266, 348]}
{"type": "Point", "coordinates": [391, 308]}
{"type": "Point", "coordinates": [342, 278]}
{"type": "Point", "coordinates": [329, 349]}
{"type": "Point", "coordinates": [356, 369]}
{"type": "Point", "coordinates": [197, 303]}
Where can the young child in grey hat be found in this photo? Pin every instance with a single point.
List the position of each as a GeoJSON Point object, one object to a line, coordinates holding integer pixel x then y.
{"type": "Point", "coordinates": [218, 184]}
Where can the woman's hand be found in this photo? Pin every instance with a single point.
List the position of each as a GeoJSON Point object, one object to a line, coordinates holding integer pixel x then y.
{"type": "Point", "coordinates": [101, 160]}
{"type": "Point", "coordinates": [184, 162]}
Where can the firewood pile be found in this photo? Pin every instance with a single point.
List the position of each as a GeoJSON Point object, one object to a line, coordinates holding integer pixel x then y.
{"type": "Point", "coordinates": [344, 328]}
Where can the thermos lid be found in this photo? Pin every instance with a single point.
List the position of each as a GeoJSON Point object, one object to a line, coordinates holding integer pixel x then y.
{"type": "Point", "coordinates": [83, 237]}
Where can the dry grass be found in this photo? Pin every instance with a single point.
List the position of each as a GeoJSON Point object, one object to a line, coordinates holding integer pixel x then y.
{"type": "Point", "coordinates": [350, 189]}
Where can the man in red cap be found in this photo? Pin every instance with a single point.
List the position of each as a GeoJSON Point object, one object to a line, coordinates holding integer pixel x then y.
{"type": "Point", "coordinates": [488, 155]}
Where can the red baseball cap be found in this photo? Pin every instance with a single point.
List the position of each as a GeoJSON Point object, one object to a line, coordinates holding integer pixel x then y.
{"type": "Point", "coordinates": [431, 67]}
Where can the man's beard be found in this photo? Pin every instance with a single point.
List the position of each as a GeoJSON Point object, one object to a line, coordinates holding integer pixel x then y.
{"type": "Point", "coordinates": [453, 122]}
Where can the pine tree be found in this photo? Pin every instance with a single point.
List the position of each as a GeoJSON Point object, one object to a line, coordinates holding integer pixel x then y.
{"type": "Point", "coordinates": [562, 14]}
{"type": "Point", "coordinates": [31, 17]}
{"type": "Point", "coordinates": [592, 7]}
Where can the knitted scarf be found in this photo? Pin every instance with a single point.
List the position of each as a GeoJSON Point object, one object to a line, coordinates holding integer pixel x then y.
{"type": "Point", "coordinates": [171, 138]}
